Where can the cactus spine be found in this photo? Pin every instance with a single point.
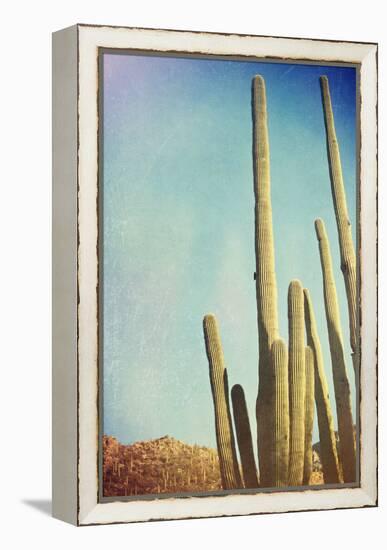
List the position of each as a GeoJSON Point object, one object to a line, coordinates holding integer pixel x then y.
{"type": "Point", "coordinates": [266, 286]}
{"type": "Point", "coordinates": [340, 379]}
{"type": "Point", "coordinates": [296, 383]}
{"type": "Point", "coordinates": [280, 429]}
{"type": "Point", "coordinates": [229, 468]}
{"type": "Point", "coordinates": [347, 252]}
{"type": "Point", "coordinates": [309, 414]}
{"type": "Point", "coordinates": [328, 450]}
{"type": "Point", "coordinates": [243, 433]}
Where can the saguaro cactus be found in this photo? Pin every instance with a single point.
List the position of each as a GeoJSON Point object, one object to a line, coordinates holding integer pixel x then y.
{"type": "Point", "coordinates": [340, 378]}
{"type": "Point", "coordinates": [266, 286]}
{"type": "Point", "coordinates": [328, 450]}
{"type": "Point", "coordinates": [309, 414]}
{"type": "Point", "coordinates": [347, 252]}
{"type": "Point", "coordinates": [229, 469]}
{"type": "Point", "coordinates": [296, 383]}
{"type": "Point", "coordinates": [280, 415]}
{"type": "Point", "coordinates": [243, 433]}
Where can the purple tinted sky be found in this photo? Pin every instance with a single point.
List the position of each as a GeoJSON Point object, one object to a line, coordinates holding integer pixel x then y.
{"type": "Point", "coordinates": [179, 226]}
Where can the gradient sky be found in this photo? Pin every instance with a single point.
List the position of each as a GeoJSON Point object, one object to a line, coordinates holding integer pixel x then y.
{"type": "Point", "coordinates": [178, 233]}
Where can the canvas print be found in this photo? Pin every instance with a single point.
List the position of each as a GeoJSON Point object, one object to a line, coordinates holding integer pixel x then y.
{"type": "Point", "coordinates": [228, 275]}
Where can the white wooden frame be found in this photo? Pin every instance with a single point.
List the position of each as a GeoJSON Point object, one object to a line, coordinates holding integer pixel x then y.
{"type": "Point", "coordinates": [75, 273]}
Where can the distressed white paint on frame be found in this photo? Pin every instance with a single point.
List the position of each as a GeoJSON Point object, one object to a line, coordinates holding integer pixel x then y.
{"type": "Point", "coordinates": [90, 39]}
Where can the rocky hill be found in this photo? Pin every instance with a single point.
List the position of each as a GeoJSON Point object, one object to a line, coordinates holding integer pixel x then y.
{"type": "Point", "coordinates": [163, 465]}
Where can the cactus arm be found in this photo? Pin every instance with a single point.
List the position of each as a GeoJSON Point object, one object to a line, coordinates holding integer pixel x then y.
{"type": "Point", "coordinates": [280, 415]}
{"type": "Point", "coordinates": [340, 378]}
{"type": "Point", "coordinates": [229, 468]}
{"type": "Point", "coordinates": [309, 414]}
{"type": "Point", "coordinates": [296, 383]}
{"type": "Point", "coordinates": [265, 279]}
{"type": "Point", "coordinates": [328, 449]}
{"type": "Point", "coordinates": [347, 252]}
{"type": "Point", "coordinates": [243, 433]}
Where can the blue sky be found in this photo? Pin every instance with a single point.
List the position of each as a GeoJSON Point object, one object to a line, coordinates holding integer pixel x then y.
{"type": "Point", "coordinates": [178, 227]}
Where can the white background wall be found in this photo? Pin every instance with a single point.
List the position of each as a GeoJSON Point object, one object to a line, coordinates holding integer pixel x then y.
{"type": "Point", "coordinates": [25, 271]}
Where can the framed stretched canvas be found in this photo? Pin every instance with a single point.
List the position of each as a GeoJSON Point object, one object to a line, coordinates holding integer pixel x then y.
{"type": "Point", "coordinates": [214, 274]}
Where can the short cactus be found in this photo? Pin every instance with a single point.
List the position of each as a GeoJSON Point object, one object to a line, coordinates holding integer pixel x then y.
{"type": "Point", "coordinates": [328, 450]}
{"type": "Point", "coordinates": [280, 414]}
{"type": "Point", "coordinates": [296, 383]}
{"type": "Point", "coordinates": [309, 414]}
{"type": "Point", "coordinates": [347, 251]}
{"type": "Point", "coordinates": [266, 285]}
{"type": "Point", "coordinates": [340, 378]}
{"type": "Point", "coordinates": [229, 468]}
{"type": "Point", "coordinates": [243, 434]}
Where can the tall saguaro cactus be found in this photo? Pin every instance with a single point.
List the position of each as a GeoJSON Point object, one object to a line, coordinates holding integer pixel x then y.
{"type": "Point", "coordinates": [229, 469]}
{"type": "Point", "coordinates": [280, 415]}
{"type": "Point", "coordinates": [347, 252]}
{"type": "Point", "coordinates": [297, 382]}
{"type": "Point", "coordinates": [243, 433]}
{"type": "Point", "coordinates": [309, 414]}
{"type": "Point", "coordinates": [340, 378]}
{"type": "Point", "coordinates": [266, 286]}
{"type": "Point", "coordinates": [328, 450]}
